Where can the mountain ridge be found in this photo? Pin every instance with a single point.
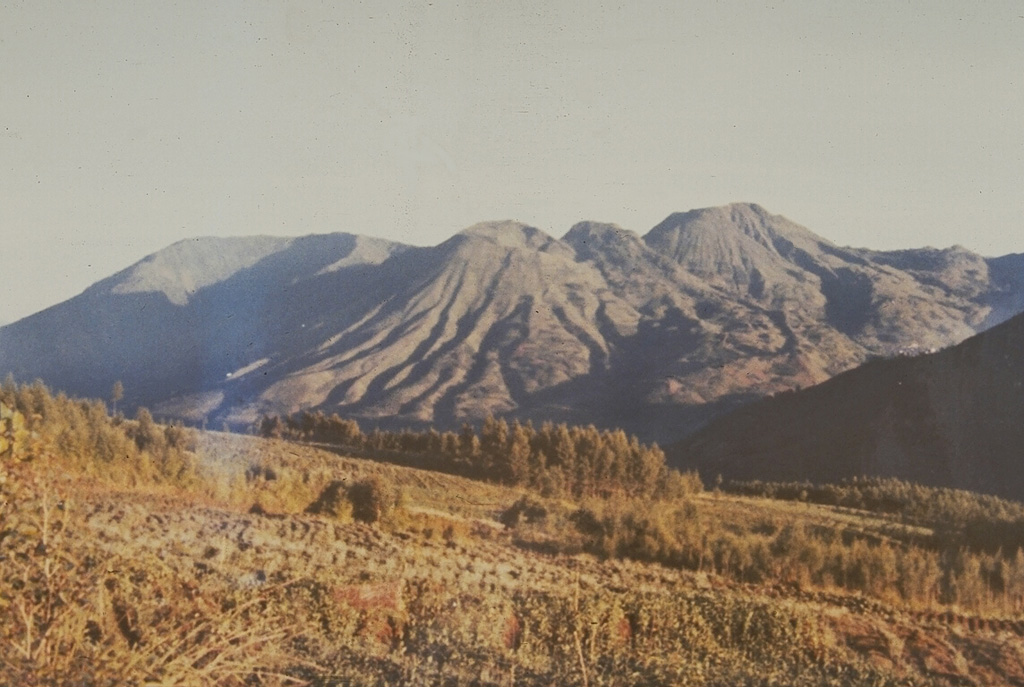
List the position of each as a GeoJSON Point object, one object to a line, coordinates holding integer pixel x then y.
{"type": "Point", "coordinates": [655, 333]}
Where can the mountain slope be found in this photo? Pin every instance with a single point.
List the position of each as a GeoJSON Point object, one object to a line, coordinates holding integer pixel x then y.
{"type": "Point", "coordinates": [468, 324]}
{"type": "Point", "coordinates": [183, 319]}
{"type": "Point", "coordinates": [868, 296]}
{"type": "Point", "coordinates": [657, 333]}
{"type": "Point", "coordinates": [952, 419]}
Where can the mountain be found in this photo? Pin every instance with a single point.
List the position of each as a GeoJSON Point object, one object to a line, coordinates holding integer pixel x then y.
{"type": "Point", "coordinates": [952, 419]}
{"type": "Point", "coordinates": [656, 333]}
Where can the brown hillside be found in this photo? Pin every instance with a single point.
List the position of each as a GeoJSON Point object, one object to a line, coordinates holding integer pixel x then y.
{"type": "Point", "coordinates": [950, 419]}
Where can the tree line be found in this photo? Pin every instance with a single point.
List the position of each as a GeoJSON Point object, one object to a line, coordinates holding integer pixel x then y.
{"type": "Point", "coordinates": [556, 459]}
{"type": "Point", "coordinates": [981, 522]}
{"type": "Point", "coordinates": [83, 435]}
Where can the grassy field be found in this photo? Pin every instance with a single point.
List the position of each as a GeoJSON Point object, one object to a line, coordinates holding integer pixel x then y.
{"type": "Point", "coordinates": [233, 582]}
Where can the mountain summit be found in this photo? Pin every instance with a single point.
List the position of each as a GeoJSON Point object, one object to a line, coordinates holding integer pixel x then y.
{"type": "Point", "coordinates": [656, 334]}
{"type": "Point", "coordinates": [733, 243]}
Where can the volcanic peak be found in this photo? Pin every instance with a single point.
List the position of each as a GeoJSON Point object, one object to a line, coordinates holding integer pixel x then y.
{"type": "Point", "coordinates": [509, 234]}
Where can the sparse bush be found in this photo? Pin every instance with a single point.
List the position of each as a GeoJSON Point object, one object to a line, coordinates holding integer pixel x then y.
{"type": "Point", "coordinates": [260, 472]}
{"type": "Point", "coordinates": [431, 527]}
{"type": "Point", "coordinates": [287, 493]}
{"type": "Point", "coordinates": [641, 531]}
{"type": "Point", "coordinates": [527, 509]}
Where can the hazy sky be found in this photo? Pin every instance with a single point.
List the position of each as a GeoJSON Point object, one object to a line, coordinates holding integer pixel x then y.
{"type": "Point", "coordinates": [125, 126]}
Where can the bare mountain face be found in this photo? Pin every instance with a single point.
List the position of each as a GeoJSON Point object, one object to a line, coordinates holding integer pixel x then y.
{"type": "Point", "coordinates": [953, 419]}
{"type": "Point", "coordinates": [656, 334]}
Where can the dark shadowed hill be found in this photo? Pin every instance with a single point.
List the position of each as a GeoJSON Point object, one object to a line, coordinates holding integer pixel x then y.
{"type": "Point", "coordinates": [656, 334]}
{"type": "Point", "coordinates": [954, 418]}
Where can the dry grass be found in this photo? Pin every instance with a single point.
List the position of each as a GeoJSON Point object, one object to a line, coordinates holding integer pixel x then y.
{"type": "Point", "coordinates": [747, 512]}
{"type": "Point", "coordinates": [153, 586]}
{"type": "Point", "coordinates": [300, 473]}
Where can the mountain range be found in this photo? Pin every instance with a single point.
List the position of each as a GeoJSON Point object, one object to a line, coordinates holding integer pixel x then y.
{"type": "Point", "coordinates": [657, 334]}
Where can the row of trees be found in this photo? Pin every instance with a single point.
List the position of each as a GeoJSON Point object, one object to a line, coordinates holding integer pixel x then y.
{"type": "Point", "coordinates": [889, 495]}
{"type": "Point", "coordinates": [555, 459]}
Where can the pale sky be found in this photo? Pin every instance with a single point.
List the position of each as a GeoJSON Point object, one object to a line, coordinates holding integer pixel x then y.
{"type": "Point", "coordinates": [126, 126]}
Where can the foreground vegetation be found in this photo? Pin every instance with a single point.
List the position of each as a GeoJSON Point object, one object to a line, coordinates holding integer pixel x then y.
{"type": "Point", "coordinates": [136, 553]}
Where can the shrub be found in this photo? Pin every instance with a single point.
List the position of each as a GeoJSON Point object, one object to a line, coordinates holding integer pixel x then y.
{"type": "Point", "coordinates": [373, 499]}
{"type": "Point", "coordinates": [333, 501]}
{"type": "Point", "coordinates": [526, 509]}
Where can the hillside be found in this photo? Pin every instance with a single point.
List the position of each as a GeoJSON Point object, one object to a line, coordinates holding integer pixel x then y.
{"type": "Point", "coordinates": [952, 418]}
{"type": "Point", "coordinates": [655, 334]}
{"type": "Point", "coordinates": [270, 570]}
